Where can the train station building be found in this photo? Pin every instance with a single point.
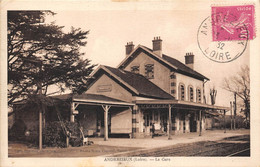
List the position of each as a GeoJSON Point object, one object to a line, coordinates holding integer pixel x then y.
{"type": "Point", "coordinates": [147, 88]}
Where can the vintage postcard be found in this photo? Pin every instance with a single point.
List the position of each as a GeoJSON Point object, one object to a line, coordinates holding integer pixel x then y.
{"type": "Point", "coordinates": [130, 83]}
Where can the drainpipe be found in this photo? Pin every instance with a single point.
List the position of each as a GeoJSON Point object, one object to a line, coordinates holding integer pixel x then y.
{"type": "Point", "coordinates": [204, 97]}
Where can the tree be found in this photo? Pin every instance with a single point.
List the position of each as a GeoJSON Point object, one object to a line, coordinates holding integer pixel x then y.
{"type": "Point", "coordinates": [213, 94]}
{"type": "Point", "coordinates": [41, 53]}
{"type": "Point", "coordinates": [240, 84]}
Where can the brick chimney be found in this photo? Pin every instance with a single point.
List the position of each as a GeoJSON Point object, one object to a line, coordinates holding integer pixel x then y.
{"type": "Point", "coordinates": [129, 48]}
{"type": "Point", "coordinates": [157, 46]}
{"type": "Point", "coordinates": [189, 60]}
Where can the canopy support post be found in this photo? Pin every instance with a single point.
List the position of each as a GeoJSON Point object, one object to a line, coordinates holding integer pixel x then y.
{"type": "Point", "coordinates": [106, 108]}
{"type": "Point", "coordinates": [170, 122]}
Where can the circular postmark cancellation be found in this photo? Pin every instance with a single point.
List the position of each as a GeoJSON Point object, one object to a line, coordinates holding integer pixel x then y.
{"type": "Point", "coordinates": [225, 50]}
{"type": "Point", "coordinates": [223, 37]}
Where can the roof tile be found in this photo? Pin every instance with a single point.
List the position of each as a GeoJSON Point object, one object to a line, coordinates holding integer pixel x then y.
{"type": "Point", "coordinates": [140, 83]}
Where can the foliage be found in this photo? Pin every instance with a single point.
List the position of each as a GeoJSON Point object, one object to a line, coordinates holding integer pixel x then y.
{"type": "Point", "coordinates": [240, 84]}
{"type": "Point", "coordinates": [40, 53]}
{"type": "Point", "coordinates": [73, 128]}
{"type": "Point", "coordinates": [213, 94]}
{"type": "Point", "coordinates": [17, 131]}
{"type": "Point", "coordinates": [54, 135]}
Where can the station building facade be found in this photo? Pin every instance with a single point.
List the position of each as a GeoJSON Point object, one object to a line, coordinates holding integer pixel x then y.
{"type": "Point", "coordinates": [146, 88]}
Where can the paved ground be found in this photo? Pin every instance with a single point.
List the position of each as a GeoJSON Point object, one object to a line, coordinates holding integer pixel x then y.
{"type": "Point", "coordinates": [117, 146]}
{"type": "Point", "coordinates": [22, 150]}
{"type": "Point", "coordinates": [162, 141]}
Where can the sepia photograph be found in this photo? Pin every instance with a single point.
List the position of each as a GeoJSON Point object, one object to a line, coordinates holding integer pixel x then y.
{"type": "Point", "coordinates": [130, 83]}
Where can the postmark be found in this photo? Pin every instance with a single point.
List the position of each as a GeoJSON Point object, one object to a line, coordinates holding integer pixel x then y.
{"type": "Point", "coordinates": [220, 51]}
{"type": "Point", "coordinates": [233, 22]}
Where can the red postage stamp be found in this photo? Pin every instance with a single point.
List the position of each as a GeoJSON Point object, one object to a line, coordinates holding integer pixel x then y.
{"type": "Point", "coordinates": [233, 22]}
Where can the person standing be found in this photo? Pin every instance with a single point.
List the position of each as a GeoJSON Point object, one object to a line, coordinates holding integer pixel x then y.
{"type": "Point", "coordinates": [153, 130]}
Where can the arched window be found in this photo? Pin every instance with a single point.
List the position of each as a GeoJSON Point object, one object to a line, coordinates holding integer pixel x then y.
{"type": "Point", "coordinates": [191, 93]}
{"type": "Point", "coordinates": [198, 95]}
{"type": "Point", "coordinates": [181, 92]}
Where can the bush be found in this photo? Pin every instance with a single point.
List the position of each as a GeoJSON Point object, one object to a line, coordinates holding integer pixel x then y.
{"type": "Point", "coordinates": [54, 136]}
{"type": "Point", "coordinates": [247, 124]}
{"type": "Point", "coordinates": [17, 131]}
{"type": "Point", "coordinates": [73, 128]}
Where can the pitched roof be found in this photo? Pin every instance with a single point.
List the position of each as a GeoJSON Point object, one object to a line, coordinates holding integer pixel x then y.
{"type": "Point", "coordinates": [148, 51]}
{"type": "Point", "coordinates": [86, 96]}
{"type": "Point", "coordinates": [138, 82]}
{"type": "Point", "coordinates": [182, 68]}
{"type": "Point", "coordinates": [168, 61]}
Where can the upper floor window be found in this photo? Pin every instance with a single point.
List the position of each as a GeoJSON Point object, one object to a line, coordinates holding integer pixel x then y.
{"type": "Point", "coordinates": [191, 93]}
{"type": "Point", "coordinates": [182, 92]}
{"type": "Point", "coordinates": [149, 71]}
{"type": "Point", "coordinates": [173, 76]}
{"type": "Point", "coordinates": [135, 69]}
{"type": "Point", "coordinates": [198, 95]}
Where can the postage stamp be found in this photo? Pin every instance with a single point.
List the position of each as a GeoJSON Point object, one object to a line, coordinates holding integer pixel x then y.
{"type": "Point", "coordinates": [233, 22]}
{"type": "Point", "coordinates": [219, 51]}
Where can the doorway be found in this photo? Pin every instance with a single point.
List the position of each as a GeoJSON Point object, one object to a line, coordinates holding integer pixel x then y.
{"type": "Point", "coordinates": [193, 123]}
{"type": "Point", "coordinates": [147, 122]}
{"type": "Point", "coordinates": [164, 121]}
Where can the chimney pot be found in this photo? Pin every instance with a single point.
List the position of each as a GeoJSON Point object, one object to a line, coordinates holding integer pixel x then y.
{"type": "Point", "coordinates": [189, 60]}
{"type": "Point", "coordinates": [157, 46]}
{"type": "Point", "coordinates": [129, 47]}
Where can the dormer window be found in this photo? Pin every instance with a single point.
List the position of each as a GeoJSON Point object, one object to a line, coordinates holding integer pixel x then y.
{"type": "Point", "coordinates": [149, 71]}
{"type": "Point", "coordinates": [173, 76]}
{"type": "Point", "coordinates": [135, 69]}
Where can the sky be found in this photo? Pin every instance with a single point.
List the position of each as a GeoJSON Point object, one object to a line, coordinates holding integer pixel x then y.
{"type": "Point", "coordinates": [110, 30]}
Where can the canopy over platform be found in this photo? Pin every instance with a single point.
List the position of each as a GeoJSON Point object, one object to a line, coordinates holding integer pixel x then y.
{"type": "Point", "coordinates": [178, 104]}
{"type": "Point", "coordinates": [93, 99]}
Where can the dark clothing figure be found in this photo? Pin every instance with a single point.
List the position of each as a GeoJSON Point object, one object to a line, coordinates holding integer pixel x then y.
{"type": "Point", "coordinates": [153, 130]}
{"type": "Point", "coordinates": [165, 127]}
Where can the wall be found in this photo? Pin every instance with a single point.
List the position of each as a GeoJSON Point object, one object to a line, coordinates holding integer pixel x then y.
{"type": "Point", "coordinates": [140, 120]}
{"type": "Point", "coordinates": [11, 120]}
{"type": "Point", "coordinates": [187, 124]}
{"type": "Point", "coordinates": [116, 91]}
{"type": "Point", "coordinates": [180, 78]}
{"type": "Point", "coordinates": [88, 119]}
{"type": "Point", "coordinates": [25, 120]}
{"type": "Point", "coordinates": [161, 73]}
{"type": "Point", "coordinates": [31, 119]}
{"type": "Point", "coordinates": [203, 122]}
{"type": "Point", "coordinates": [121, 121]}
{"type": "Point", "coordinates": [208, 123]}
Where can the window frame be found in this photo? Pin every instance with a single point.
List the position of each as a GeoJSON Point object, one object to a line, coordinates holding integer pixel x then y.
{"type": "Point", "coordinates": [182, 92]}
{"type": "Point", "coordinates": [198, 99]}
{"type": "Point", "coordinates": [189, 93]}
{"type": "Point", "coordinates": [149, 70]}
{"type": "Point", "coordinates": [135, 68]}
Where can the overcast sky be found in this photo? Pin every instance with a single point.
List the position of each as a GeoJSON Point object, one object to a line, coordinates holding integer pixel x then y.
{"type": "Point", "coordinates": [111, 30]}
